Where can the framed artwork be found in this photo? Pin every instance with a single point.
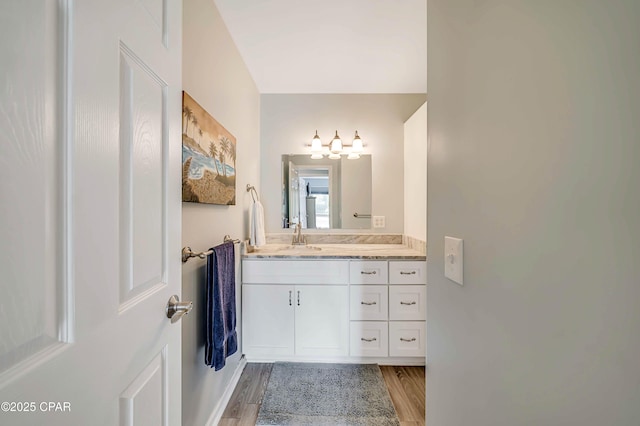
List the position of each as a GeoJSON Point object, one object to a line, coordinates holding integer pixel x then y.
{"type": "Point", "coordinates": [208, 157]}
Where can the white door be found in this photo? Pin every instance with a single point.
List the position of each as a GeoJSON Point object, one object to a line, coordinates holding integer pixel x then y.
{"type": "Point", "coordinates": [89, 211]}
{"type": "Point", "coordinates": [322, 320]}
{"type": "Point", "coordinates": [267, 321]}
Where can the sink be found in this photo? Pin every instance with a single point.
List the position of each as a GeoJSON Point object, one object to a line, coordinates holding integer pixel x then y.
{"type": "Point", "coordinates": [300, 248]}
{"type": "Point", "coordinates": [284, 248]}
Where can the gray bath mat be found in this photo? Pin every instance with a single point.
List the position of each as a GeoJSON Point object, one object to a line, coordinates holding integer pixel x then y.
{"type": "Point", "coordinates": [326, 394]}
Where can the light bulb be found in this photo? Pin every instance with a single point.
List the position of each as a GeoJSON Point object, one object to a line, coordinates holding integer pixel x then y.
{"type": "Point", "coordinates": [316, 143]}
{"type": "Point", "coordinates": [336, 144]}
{"type": "Point", "coordinates": [357, 145]}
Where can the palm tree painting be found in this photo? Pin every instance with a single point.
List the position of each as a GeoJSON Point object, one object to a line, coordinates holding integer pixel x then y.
{"type": "Point", "coordinates": [208, 157]}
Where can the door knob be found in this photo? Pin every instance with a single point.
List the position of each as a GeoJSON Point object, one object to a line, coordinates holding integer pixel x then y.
{"type": "Point", "coordinates": [177, 309]}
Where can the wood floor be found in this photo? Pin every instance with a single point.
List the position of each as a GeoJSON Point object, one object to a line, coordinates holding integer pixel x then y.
{"type": "Point", "coordinates": [406, 386]}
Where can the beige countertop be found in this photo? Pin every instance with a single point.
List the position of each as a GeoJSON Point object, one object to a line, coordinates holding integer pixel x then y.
{"type": "Point", "coordinates": [336, 251]}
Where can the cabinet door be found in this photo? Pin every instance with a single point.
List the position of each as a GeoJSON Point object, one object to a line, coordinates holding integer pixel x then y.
{"type": "Point", "coordinates": [267, 320]}
{"type": "Point", "coordinates": [322, 320]}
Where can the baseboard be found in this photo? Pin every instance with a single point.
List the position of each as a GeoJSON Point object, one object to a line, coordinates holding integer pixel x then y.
{"type": "Point", "coordinates": [398, 361]}
{"type": "Point", "coordinates": [216, 415]}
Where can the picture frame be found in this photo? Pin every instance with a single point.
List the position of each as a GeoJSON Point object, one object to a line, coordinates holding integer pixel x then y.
{"type": "Point", "coordinates": [208, 157]}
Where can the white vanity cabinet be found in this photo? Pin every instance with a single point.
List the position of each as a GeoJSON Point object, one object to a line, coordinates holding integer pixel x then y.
{"type": "Point", "coordinates": [334, 310]}
{"type": "Point", "coordinates": [295, 308]}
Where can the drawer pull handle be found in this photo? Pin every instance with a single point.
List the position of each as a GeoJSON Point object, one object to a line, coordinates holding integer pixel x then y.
{"type": "Point", "coordinates": [402, 339]}
{"type": "Point", "coordinates": [368, 303]}
{"type": "Point", "coordinates": [298, 298]}
{"type": "Point", "coordinates": [373, 339]}
{"type": "Point", "coordinates": [290, 297]}
{"type": "Point", "coordinates": [368, 273]}
{"type": "Point", "coordinates": [407, 303]}
{"type": "Point", "coordinates": [407, 273]}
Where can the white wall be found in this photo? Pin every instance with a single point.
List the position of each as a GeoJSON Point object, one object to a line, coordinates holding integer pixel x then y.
{"type": "Point", "coordinates": [288, 123]}
{"type": "Point", "coordinates": [215, 75]}
{"type": "Point", "coordinates": [533, 161]}
{"type": "Point", "coordinates": [415, 174]}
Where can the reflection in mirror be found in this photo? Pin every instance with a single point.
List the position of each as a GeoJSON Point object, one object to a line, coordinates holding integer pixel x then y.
{"type": "Point", "coordinates": [326, 194]}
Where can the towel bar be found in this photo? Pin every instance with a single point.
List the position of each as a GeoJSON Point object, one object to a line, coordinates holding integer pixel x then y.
{"type": "Point", "coordinates": [252, 189]}
{"type": "Point", "coordinates": [187, 253]}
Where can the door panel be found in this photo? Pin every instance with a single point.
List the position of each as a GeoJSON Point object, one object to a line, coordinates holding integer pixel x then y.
{"type": "Point", "coordinates": [33, 196]}
{"type": "Point", "coordinates": [143, 145]}
{"type": "Point", "coordinates": [145, 402]}
{"type": "Point", "coordinates": [90, 209]}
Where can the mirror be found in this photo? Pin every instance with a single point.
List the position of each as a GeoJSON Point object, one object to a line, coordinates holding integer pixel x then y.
{"type": "Point", "coordinates": [326, 194]}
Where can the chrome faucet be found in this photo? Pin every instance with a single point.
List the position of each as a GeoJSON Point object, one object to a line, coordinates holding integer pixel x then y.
{"type": "Point", "coordinates": [298, 239]}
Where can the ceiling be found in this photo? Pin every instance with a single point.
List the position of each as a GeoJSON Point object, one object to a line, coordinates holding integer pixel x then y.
{"type": "Point", "coordinates": [331, 46]}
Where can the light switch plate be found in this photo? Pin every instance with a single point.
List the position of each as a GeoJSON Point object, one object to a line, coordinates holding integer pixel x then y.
{"type": "Point", "coordinates": [453, 259]}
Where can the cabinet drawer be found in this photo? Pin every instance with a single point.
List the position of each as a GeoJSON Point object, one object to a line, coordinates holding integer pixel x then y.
{"type": "Point", "coordinates": [369, 302]}
{"type": "Point", "coordinates": [368, 272]}
{"type": "Point", "coordinates": [408, 302]}
{"type": "Point", "coordinates": [407, 338]}
{"type": "Point", "coordinates": [295, 271]}
{"type": "Point", "coordinates": [369, 338]}
{"type": "Point", "coordinates": [414, 272]}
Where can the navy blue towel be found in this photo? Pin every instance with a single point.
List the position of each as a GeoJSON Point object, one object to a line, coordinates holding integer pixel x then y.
{"type": "Point", "coordinates": [221, 336]}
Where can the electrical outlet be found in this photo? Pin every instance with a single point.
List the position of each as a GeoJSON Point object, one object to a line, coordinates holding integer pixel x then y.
{"type": "Point", "coordinates": [379, 222]}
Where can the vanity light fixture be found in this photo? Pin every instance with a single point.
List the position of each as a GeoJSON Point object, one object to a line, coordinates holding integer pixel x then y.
{"type": "Point", "coordinates": [336, 148]}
